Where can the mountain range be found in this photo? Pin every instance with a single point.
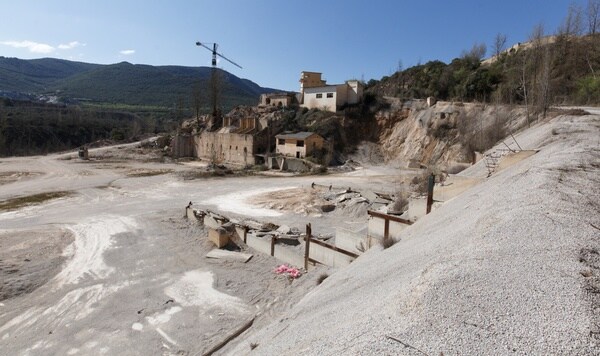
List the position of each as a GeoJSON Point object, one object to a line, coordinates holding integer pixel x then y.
{"type": "Point", "coordinates": [122, 83]}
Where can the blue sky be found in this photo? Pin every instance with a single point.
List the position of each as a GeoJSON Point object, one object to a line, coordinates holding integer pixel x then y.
{"type": "Point", "coordinates": [272, 40]}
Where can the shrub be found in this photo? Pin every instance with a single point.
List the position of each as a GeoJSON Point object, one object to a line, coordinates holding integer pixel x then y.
{"type": "Point", "coordinates": [476, 136]}
{"type": "Point", "coordinates": [588, 90]}
{"type": "Point", "coordinates": [400, 203]}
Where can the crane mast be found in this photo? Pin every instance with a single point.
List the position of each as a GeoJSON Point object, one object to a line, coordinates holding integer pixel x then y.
{"type": "Point", "coordinates": [214, 85]}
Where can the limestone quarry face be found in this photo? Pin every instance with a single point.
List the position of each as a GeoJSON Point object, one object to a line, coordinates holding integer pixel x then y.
{"type": "Point", "coordinates": [431, 135]}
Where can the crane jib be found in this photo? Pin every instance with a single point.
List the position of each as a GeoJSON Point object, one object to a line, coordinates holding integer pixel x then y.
{"type": "Point", "coordinates": [215, 54]}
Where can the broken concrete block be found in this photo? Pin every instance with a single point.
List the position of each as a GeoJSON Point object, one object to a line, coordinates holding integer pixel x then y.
{"type": "Point", "coordinates": [211, 222]}
{"type": "Point", "coordinates": [342, 198]}
{"type": "Point", "coordinates": [284, 229]}
{"type": "Point", "coordinates": [358, 200]}
{"type": "Point", "coordinates": [219, 237]}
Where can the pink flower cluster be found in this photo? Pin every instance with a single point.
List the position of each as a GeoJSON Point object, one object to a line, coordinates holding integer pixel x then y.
{"type": "Point", "coordinates": [290, 271]}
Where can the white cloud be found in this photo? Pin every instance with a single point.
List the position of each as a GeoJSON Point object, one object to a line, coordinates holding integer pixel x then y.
{"type": "Point", "coordinates": [70, 45]}
{"type": "Point", "coordinates": [127, 52]}
{"type": "Point", "coordinates": [33, 47]}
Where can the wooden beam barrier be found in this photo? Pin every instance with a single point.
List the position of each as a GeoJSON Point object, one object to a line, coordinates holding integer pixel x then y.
{"type": "Point", "coordinates": [331, 247]}
{"type": "Point", "coordinates": [388, 217]}
{"type": "Point", "coordinates": [313, 261]}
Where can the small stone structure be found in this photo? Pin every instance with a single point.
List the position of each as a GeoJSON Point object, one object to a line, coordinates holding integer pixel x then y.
{"type": "Point", "coordinates": [282, 100]}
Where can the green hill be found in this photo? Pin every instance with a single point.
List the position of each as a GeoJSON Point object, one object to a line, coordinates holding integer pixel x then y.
{"type": "Point", "coordinates": [123, 83]}
{"type": "Point", "coordinates": [37, 75]}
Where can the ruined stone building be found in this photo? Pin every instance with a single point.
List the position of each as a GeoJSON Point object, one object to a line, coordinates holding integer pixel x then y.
{"type": "Point", "coordinates": [240, 139]}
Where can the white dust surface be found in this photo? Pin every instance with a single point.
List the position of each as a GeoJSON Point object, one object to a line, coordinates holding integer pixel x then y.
{"type": "Point", "coordinates": [92, 238]}
{"type": "Point", "coordinates": [195, 288]}
{"type": "Point", "coordinates": [75, 305]}
{"type": "Point", "coordinates": [238, 202]}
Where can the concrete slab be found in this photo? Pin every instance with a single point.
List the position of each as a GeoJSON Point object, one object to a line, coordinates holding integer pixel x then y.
{"type": "Point", "coordinates": [513, 158]}
{"type": "Point", "coordinates": [229, 255]}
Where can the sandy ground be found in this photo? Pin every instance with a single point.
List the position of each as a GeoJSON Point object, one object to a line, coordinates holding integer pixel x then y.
{"type": "Point", "coordinates": [113, 268]}
{"type": "Point", "coordinates": [29, 258]}
{"type": "Point", "coordinates": [510, 266]}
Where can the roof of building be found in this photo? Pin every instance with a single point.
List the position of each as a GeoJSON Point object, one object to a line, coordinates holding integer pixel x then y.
{"type": "Point", "coordinates": [280, 95]}
{"type": "Point", "coordinates": [323, 87]}
{"type": "Point", "coordinates": [297, 136]}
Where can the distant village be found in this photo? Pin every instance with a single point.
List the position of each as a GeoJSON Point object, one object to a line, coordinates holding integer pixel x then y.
{"type": "Point", "coordinates": [244, 136]}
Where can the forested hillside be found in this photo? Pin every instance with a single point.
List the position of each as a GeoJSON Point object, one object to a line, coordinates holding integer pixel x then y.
{"type": "Point", "coordinates": [547, 70]}
{"type": "Point", "coordinates": [28, 128]}
{"type": "Point", "coordinates": [125, 83]}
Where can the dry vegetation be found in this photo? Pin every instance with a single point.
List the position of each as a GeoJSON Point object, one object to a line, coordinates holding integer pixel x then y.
{"type": "Point", "coordinates": [148, 172]}
{"type": "Point", "coordinates": [20, 202]}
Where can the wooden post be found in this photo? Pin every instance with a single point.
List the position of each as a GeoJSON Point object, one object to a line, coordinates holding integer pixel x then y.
{"type": "Point", "coordinates": [273, 246]}
{"type": "Point", "coordinates": [386, 229]}
{"type": "Point", "coordinates": [307, 246]}
{"type": "Point", "coordinates": [245, 233]}
{"type": "Point", "coordinates": [430, 184]}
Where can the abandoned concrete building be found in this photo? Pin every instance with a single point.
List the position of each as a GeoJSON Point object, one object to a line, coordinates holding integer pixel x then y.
{"type": "Point", "coordinates": [300, 144]}
{"type": "Point", "coordinates": [316, 94]}
{"type": "Point", "coordinates": [240, 138]}
{"type": "Point", "coordinates": [279, 100]}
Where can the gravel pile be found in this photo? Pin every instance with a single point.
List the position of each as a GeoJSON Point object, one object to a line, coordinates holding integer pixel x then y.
{"type": "Point", "coordinates": [497, 270]}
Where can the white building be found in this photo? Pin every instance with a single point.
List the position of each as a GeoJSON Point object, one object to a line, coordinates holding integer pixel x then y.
{"type": "Point", "coordinates": [315, 93]}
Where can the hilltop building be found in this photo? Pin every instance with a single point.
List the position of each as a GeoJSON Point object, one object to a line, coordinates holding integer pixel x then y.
{"type": "Point", "coordinates": [315, 93]}
{"type": "Point", "coordinates": [279, 100]}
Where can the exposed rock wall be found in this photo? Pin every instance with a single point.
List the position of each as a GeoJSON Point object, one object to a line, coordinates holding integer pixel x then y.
{"type": "Point", "coordinates": [440, 135]}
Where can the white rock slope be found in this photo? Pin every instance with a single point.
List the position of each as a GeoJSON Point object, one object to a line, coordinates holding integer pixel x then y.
{"type": "Point", "coordinates": [497, 270]}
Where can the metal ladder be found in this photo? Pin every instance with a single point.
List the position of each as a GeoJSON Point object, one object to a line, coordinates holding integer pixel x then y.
{"type": "Point", "coordinates": [492, 159]}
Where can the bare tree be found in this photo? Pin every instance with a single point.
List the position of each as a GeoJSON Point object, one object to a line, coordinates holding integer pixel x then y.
{"type": "Point", "coordinates": [593, 15]}
{"type": "Point", "coordinates": [197, 99]}
{"type": "Point", "coordinates": [477, 52]}
{"type": "Point", "coordinates": [524, 86]}
{"type": "Point", "coordinates": [543, 84]}
{"type": "Point", "coordinates": [535, 58]}
{"type": "Point", "coordinates": [499, 44]}
{"type": "Point", "coordinates": [216, 90]}
{"type": "Point", "coordinates": [572, 25]}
